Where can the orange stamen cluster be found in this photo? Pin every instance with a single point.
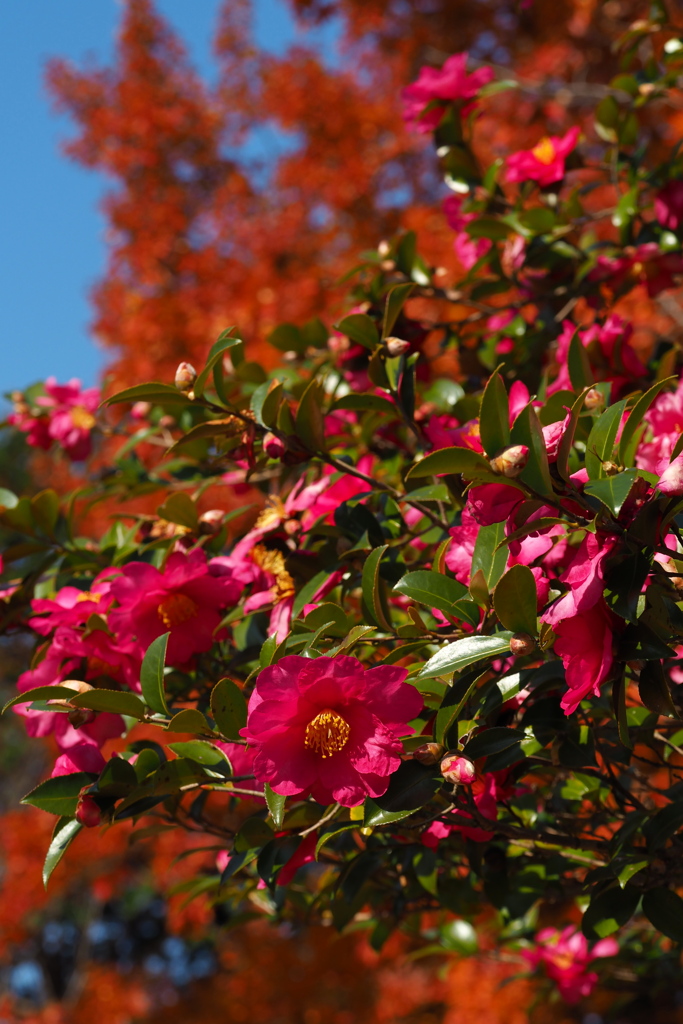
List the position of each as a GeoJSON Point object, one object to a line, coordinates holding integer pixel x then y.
{"type": "Point", "coordinates": [176, 609]}
{"type": "Point", "coordinates": [327, 733]}
{"type": "Point", "coordinates": [544, 151]}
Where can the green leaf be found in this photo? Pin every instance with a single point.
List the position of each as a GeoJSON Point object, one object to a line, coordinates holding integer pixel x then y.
{"type": "Point", "coordinates": [527, 430]}
{"type": "Point", "coordinates": [374, 596]}
{"type": "Point", "coordinates": [216, 353]}
{"type": "Point", "coordinates": [179, 508]}
{"type": "Point", "coordinates": [456, 656]}
{"type": "Point", "coordinates": [199, 751]}
{"type": "Point", "coordinates": [601, 440]}
{"type": "Point", "coordinates": [453, 460]}
{"type": "Point", "coordinates": [276, 806]}
{"type": "Point", "coordinates": [45, 510]}
{"type": "Point", "coordinates": [361, 328]}
{"type": "Point", "coordinates": [229, 708]}
{"type": "Point", "coordinates": [41, 693]}
{"type": "Point", "coordinates": [515, 600]}
{"type": "Point", "coordinates": [636, 415]}
{"type": "Point", "coordinates": [494, 416]}
{"type": "Point", "coordinates": [619, 705]}
{"type": "Point", "coordinates": [663, 825]}
{"type": "Point", "coordinates": [65, 831]}
{"type": "Point", "coordinates": [309, 423]}
{"type": "Point", "coordinates": [188, 720]}
{"type": "Point", "coordinates": [654, 690]}
{"type": "Point", "coordinates": [152, 675]}
{"type": "Point", "coordinates": [118, 702]}
{"type": "Point", "coordinates": [433, 590]}
{"type": "Point", "coordinates": [410, 787]}
{"type": "Point", "coordinates": [609, 911]}
{"type": "Point", "coordinates": [612, 491]}
{"type": "Point", "coordinates": [354, 635]}
{"type": "Point", "coordinates": [455, 700]}
{"type": "Point", "coordinates": [664, 909]}
{"type": "Point", "coordinates": [59, 795]}
{"type": "Point", "coordinates": [490, 555]}
{"type": "Point", "coordinates": [265, 402]}
{"type": "Point", "coordinates": [253, 834]}
{"type": "Point", "coordinates": [288, 338]}
{"type": "Point", "coordinates": [154, 392]}
{"type": "Point", "coordinates": [364, 403]}
{"type": "Point", "coordinates": [578, 365]}
{"type": "Point", "coordinates": [492, 741]}
{"type": "Point", "coordinates": [394, 304]}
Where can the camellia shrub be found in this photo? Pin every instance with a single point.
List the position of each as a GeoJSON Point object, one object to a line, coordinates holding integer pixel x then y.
{"type": "Point", "coordinates": [435, 684]}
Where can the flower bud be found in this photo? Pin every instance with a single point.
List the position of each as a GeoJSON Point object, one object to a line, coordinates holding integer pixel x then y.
{"type": "Point", "coordinates": [521, 644]}
{"type": "Point", "coordinates": [210, 522]}
{"type": "Point", "coordinates": [273, 446]}
{"type": "Point", "coordinates": [458, 769]}
{"type": "Point", "coordinates": [141, 410]}
{"type": "Point", "coordinates": [80, 717]}
{"type": "Point", "coordinates": [185, 377]}
{"type": "Point", "coordinates": [510, 461]}
{"type": "Point", "coordinates": [88, 812]}
{"type": "Point", "coordinates": [383, 249]}
{"type": "Point", "coordinates": [429, 753]}
{"type": "Point", "coordinates": [396, 346]}
{"type": "Point", "coordinates": [671, 480]}
{"type": "Point", "coordinates": [594, 400]}
{"type": "Point", "coordinates": [166, 421]}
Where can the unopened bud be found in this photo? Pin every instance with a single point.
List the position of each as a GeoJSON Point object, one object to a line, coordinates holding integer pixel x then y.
{"type": "Point", "coordinates": [429, 753]}
{"type": "Point", "coordinates": [80, 717]}
{"type": "Point", "coordinates": [396, 346]}
{"type": "Point", "coordinates": [210, 522]}
{"type": "Point", "coordinates": [458, 769]}
{"type": "Point", "coordinates": [521, 644]}
{"type": "Point", "coordinates": [167, 422]}
{"type": "Point", "coordinates": [388, 265]}
{"type": "Point", "coordinates": [88, 812]}
{"type": "Point", "coordinates": [383, 249]}
{"type": "Point", "coordinates": [273, 446]}
{"type": "Point", "coordinates": [594, 399]}
{"type": "Point", "coordinates": [141, 410]}
{"type": "Point", "coordinates": [510, 461]}
{"type": "Point", "coordinates": [185, 377]}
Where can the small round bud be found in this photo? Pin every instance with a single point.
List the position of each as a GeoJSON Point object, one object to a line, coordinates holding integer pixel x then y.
{"type": "Point", "coordinates": [210, 522]}
{"type": "Point", "coordinates": [396, 346]}
{"type": "Point", "coordinates": [510, 461]}
{"type": "Point", "coordinates": [167, 422]}
{"type": "Point", "coordinates": [185, 377]}
{"type": "Point", "coordinates": [388, 265]}
{"type": "Point", "coordinates": [458, 770]}
{"type": "Point", "coordinates": [383, 249]}
{"type": "Point", "coordinates": [80, 717]}
{"type": "Point", "coordinates": [141, 410]}
{"type": "Point", "coordinates": [429, 753]}
{"type": "Point", "coordinates": [521, 644]}
{"type": "Point", "coordinates": [594, 400]}
{"type": "Point", "coordinates": [88, 812]}
{"type": "Point", "coordinates": [273, 446]}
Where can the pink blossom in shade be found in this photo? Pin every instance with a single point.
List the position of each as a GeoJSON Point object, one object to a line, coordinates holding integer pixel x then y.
{"type": "Point", "coordinates": [460, 550]}
{"type": "Point", "coordinates": [493, 503]}
{"type": "Point", "coordinates": [669, 205]}
{"type": "Point", "coordinates": [642, 264]}
{"type": "Point", "coordinates": [671, 478]}
{"type": "Point", "coordinates": [486, 791]}
{"type": "Point", "coordinates": [329, 727]}
{"type": "Point", "coordinates": [449, 83]}
{"type": "Point", "coordinates": [468, 250]}
{"type": "Point", "coordinates": [82, 757]}
{"type": "Point", "coordinates": [566, 957]}
{"type": "Point", "coordinates": [584, 577]}
{"type": "Point", "coordinates": [584, 642]}
{"type": "Point", "coordinates": [304, 854]}
{"type": "Point", "coordinates": [552, 435]}
{"type": "Point", "coordinates": [545, 162]}
{"type": "Point", "coordinates": [71, 606]}
{"type": "Point", "coordinates": [66, 415]}
{"type": "Point", "coordinates": [611, 355]}
{"type": "Point", "coordinates": [186, 599]}
{"type": "Point", "coordinates": [665, 421]}
{"type": "Point", "coordinates": [327, 494]}
{"type": "Point", "coordinates": [445, 432]}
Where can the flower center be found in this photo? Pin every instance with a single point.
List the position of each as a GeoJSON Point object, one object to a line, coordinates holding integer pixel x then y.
{"type": "Point", "coordinates": [327, 733]}
{"type": "Point", "coordinates": [176, 609]}
{"type": "Point", "coordinates": [81, 418]}
{"type": "Point", "coordinates": [544, 151]}
{"type": "Point", "coordinates": [274, 563]}
{"type": "Point", "coordinates": [87, 595]}
{"type": "Point", "coordinates": [272, 515]}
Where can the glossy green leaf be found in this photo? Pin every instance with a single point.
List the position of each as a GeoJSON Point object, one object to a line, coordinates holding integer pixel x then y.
{"type": "Point", "coordinates": [653, 690]}
{"type": "Point", "coordinates": [458, 655]}
{"type": "Point", "coordinates": [309, 422]}
{"type": "Point", "coordinates": [225, 342]}
{"type": "Point", "coordinates": [637, 414]}
{"type": "Point", "coordinates": [374, 597]}
{"type": "Point", "coordinates": [410, 787]}
{"type": "Point", "coordinates": [253, 834]}
{"type": "Point", "coordinates": [153, 392]}
{"type": "Point", "coordinates": [664, 909]}
{"type": "Point", "coordinates": [152, 675]}
{"type": "Point", "coordinates": [578, 365]}
{"type": "Point", "coordinates": [65, 831]}
{"type": "Point", "coordinates": [45, 510]}
{"type": "Point", "coordinates": [120, 702]}
{"type": "Point", "coordinates": [41, 693]}
{"type": "Point", "coordinates": [276, 806]}
{"type": "Point", "coordinates": [433, 590]}
{"type": "Point", "coordinates": [199, 751]}
{"type": "Point", "coordinates": [494, 416]}
{"type": "Point", "coordinates": [188, 720]}
{"type": "Point", "coordinates": [490, 554]}
{"type": "Point", "coordinates": [527, 430]}
{"type": "Point", "coordinates": [515, 600]}
{"type": "Point", "coordinates": [394, 304]}
{"type": "Point", "coordinates": [229, 708]}
{"type": "Point", "coordinates": [366, 403]}
{"type": "Point", "coordinates": [59, 795]}
{"type": "Point", "coordinates": [179, 508]}
{"type": "Point", "coordinates": [609, 911]}
{"type": "Point", "coordinates": [452, 460]}
{"type": "Point", "coordinates": [492, 741]}
{"type": "Point", "coordinates": [601, 439]}
{"type": "Point", "coordinates": [361, 328]}
{"type": "Point", "coordinates": [613, 491]}
{"type": "Point", "coordinates": [288, 338]}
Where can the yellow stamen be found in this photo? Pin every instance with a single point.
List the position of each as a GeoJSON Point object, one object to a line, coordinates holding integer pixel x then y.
{"type": "Point", "coordinates": [273, 561]}
{"type": "Point", "coordinates": [87, 595]}
{"type": "Point", "coordinates": [327, 733]}
{"type": "Point", "coordinates": [544, 151]}
{"type": "Point", "coordinates": [176, 609]}
{"type": "Point", "coordinates": [81, 418]}
{"type": "Point", "coordinates": [272, 515]}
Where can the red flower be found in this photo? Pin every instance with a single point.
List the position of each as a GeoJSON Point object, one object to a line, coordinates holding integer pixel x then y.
{"type": "Point", "coordinates": [545, 162]}
{"type": "Point", "coordinates": [329, 727]}
{"type": "Point", "coordinates": [584, 642]}
{"type": "Point", "coordinates": [443, 85]}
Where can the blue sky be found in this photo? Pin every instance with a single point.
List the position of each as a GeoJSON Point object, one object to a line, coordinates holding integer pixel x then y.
{"type": "Point", "coordinates": [53, 247]}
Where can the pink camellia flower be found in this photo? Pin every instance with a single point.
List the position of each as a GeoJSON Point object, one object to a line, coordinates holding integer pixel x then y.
{"type": "Point", "coordinates": [493, 503]}
{"type": "Point", "coordinates": [186, 599]}
{"type": "Point", "coordinates": [460, 550]}
{"type": "Point", "coordinates": [68, 418]}
{"type": "Point", "coordinates": [443, 85]}
{"type": "Point", "coordinates": [71, 606]}
{"type": "Point", "coordinates": [566, 957]}
{"type": "Point", "coordinates": [671, 480]}
{"type": "Point", "coordinates": [665, 420]}
{"type": "Point", "coordinates": [669, 205]}
{"type": "Point", "coordinates": [329, 727]}
{"type": "Point", "coordinates": [82, 757]}
{"type": "Point", "coordinates": [584, 642]}
{"type": "Point", "coordinates": [585, 578]}
{"type": "Point", "coordinates": [468, 250]}
{"type": "Point", "coordinates": [642, 264]}
{"type": "Point", "coordinates": [609, 349]}
{"type": "Point", "coordinates": [545, 162]}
